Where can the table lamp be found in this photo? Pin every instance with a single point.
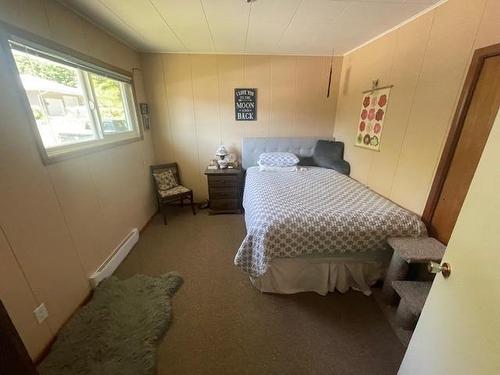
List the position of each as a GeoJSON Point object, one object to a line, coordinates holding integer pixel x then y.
{"type": "Point", "coordinates": [221, 154]}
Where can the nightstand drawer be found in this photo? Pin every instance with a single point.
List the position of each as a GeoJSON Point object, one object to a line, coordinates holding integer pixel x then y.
{"type": "Point", "coordinates": [225, 204]}
{"type": "Point", "coordinates": [230, 192]}
{"type": "Point", "coordinates": [224, 180]}
{"type": "Point", "coordinates": [225, 190]}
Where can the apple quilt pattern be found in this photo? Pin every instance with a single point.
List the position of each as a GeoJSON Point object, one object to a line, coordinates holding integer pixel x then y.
{"type": "Point", "coordinates": [371, 119]}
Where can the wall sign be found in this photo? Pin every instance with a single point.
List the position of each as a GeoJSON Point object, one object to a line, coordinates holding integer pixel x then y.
{"type": "Point", "coordinates": [245, 104]}
{"type": "Point", "coordinates": [371, 118]}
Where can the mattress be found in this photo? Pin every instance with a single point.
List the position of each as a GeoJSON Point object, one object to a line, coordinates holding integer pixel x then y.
{"type": "Point", "coordinates": [315, 211]}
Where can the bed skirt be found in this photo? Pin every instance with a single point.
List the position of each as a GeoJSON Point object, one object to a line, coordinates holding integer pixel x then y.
{"type": "Point", "coordinates": [324, 274]}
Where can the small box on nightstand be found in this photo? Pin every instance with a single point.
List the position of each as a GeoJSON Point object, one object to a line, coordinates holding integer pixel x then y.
{"type": "Point", "coordinates": [225, 190]}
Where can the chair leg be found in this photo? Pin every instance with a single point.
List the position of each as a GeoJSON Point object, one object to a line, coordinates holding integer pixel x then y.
{"type": "Point", "coordinates": [163, 212]}
{"type": "Point", "coordinates": [192, 205]}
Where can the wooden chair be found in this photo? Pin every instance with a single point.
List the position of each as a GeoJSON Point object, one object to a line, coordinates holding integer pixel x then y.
{"type": "Point", "coordinates": [176, 194]}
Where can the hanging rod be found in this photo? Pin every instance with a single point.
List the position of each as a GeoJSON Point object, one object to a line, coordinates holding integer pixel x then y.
{"type": "Point", "coordinates": [378, 88]}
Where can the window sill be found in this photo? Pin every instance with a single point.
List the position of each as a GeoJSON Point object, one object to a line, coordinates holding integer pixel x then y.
{"type": "Point", "coordinates": [64, 153]}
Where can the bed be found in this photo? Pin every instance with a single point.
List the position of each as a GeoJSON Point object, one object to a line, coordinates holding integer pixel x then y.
{"type": "Point", "coordinates": [314, 229]}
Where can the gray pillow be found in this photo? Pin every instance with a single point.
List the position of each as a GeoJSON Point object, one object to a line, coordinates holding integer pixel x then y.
{"type": "Point", "coordinates": [330, 154]}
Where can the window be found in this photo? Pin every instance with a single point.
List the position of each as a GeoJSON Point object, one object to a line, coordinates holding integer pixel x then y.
{"type": "Point", "coordinates": [76, 105]}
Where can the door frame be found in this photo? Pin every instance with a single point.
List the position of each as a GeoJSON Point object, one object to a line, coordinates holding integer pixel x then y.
{"type": "Point", "coordinates": [14, 358]}
{"type": "Point", "coordinates": [457, 125]}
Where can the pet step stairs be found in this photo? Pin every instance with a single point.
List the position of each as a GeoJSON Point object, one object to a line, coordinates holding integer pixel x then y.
{"type": "Point", "coordinates": [415, 251]}
{"type": "Point", "coordinates": [413, 295]}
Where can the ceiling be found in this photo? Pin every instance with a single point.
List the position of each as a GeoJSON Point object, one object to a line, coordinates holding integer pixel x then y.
{"type": "Point", "coordinates": [295, 27]}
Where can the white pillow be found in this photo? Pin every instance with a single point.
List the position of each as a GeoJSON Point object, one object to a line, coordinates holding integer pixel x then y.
{"type": "Point", "coordinates": [269, 168]}
{"type": "Point", "coordinates": [278, 159]}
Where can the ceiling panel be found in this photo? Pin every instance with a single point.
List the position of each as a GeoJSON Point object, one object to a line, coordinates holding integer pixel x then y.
{"type": "Point", "coordinates": [372, 19]}
{"type": "Point", "coordinates": [141, 16]}
{"type": "Point", "coordinates": [188, 22]}
{"type": "Point", "coordinates": [312, 12]}
{"type": "Point", "coordinates": [135, 22]}
{"type": "Point", "coordinates": [307, 27]}
{"type": "Point", "coordinates": [268, 22]}
{"type": "Point", "coordinates": [320, 26]}
{"type": "Point", "coordinates": [228, 20]}
{"type": "Point", "coordinates": [102, 16]}
{"type": "Point", "coordinates": [275, 10]}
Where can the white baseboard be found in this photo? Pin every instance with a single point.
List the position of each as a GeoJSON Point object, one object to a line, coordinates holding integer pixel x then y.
{"type": "Point", "coordinates": [111, 264]}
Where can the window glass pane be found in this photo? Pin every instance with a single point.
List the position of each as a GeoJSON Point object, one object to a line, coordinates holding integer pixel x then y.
{"type": "Point", "coordinates": [57, 99]}
{"type": "Point", "coordinates": [111, 103]}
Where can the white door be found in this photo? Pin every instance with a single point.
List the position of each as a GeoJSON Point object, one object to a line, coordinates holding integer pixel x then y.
{"type": "Point", "coordinates": [459, 329]}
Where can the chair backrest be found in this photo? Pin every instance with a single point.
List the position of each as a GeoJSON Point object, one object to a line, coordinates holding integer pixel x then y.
{"type": "Point", "coordinates": [163, 167]}
{"type": "Point", "coordinates": [332, 150]}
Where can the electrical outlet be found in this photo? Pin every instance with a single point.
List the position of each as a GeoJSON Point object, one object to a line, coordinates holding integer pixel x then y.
{"type": "Point", "coordinates": [41, 313]}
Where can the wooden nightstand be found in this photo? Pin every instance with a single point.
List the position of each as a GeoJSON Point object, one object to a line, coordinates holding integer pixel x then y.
{"type": "Point", "coordinates": [225, 190]}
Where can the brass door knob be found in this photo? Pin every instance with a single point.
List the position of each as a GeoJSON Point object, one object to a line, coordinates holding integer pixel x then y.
{"type": "Point", "coordinates": [444, 268]}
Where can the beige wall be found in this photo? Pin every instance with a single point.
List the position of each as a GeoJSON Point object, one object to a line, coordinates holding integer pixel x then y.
{"type": "Point", "coordinates": [58, 223]}
{"type": "Point", "coordinates": [426, 61]}
{"type": "Point", "coordinates": [192, 102]}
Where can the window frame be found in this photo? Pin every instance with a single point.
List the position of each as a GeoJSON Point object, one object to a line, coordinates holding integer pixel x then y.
{"type": "Point", "coordinates": [78, 60]}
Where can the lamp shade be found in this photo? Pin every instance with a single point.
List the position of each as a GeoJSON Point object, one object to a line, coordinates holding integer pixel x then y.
{"type": "Point", "coordinates": [221, 151]}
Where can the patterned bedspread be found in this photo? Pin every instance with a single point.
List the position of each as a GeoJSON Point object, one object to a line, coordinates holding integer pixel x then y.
{"type": "Point", "coordinates": [316, 210]}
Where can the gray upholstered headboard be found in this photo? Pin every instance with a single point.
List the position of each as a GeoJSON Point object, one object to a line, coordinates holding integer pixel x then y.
{"type": "Point", "coordinates": [251, 148]}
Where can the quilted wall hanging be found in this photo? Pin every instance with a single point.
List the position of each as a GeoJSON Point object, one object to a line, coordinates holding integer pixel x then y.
{"type": "Point", "coordinates": [371, 118]}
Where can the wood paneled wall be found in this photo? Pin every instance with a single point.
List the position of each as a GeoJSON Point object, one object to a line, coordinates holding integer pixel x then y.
{"type": "Point", "coordinates": [192, 103]}
{"type": "Point", "coordinates": [59, 222]}
{"type": "Point", "coordinates": [426, 61]}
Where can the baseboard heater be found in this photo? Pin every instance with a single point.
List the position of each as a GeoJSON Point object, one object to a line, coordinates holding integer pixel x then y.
{"type": "Point", "coordinates": [113, 261]}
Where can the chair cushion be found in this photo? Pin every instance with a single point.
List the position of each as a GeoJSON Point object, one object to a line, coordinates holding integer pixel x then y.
{"type": "Point", "coordinates": [179, 189]}
{"type": "Point", "coordinates": [165, 180]}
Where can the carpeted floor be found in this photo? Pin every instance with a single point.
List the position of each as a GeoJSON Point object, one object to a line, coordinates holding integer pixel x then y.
{"type": "Point", "coordinates": [222, 325]}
